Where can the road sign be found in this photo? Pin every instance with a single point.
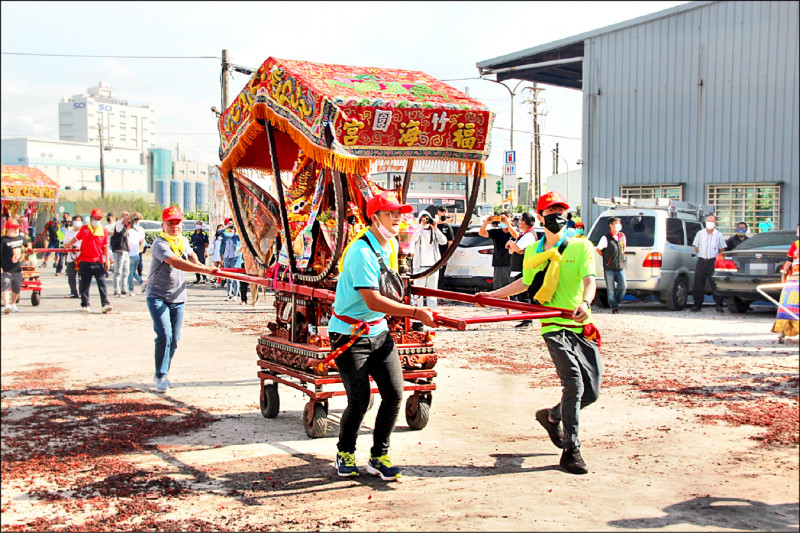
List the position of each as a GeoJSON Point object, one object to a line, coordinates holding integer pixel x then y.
{"type": "Point", "coordinates": [510, 169]}
{"type": "Point", "coordinates": [511, 156]}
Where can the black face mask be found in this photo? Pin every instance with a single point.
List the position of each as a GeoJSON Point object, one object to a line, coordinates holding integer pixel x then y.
{"type": "Point", "coordinates": [554, 222]}
{"type": "Point", "coordinates": [442, 217]}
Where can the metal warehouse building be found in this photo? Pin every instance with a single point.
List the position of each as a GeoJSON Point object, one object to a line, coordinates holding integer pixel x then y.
{"type": "Point", "coordinates": [698, 102]}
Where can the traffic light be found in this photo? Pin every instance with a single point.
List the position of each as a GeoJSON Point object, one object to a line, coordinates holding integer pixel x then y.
{"type": "Point", "coordinates": [499, 187]}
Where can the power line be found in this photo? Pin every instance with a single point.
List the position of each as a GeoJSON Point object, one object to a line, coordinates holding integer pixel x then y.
{"type": "Point", "coordinates": [107, 56]}
{"type": "Point", "coordinates": [540, 134]}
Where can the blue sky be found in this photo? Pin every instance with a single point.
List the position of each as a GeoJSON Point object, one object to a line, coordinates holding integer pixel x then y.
{"type": "Point", "coordinates": [444, 39]}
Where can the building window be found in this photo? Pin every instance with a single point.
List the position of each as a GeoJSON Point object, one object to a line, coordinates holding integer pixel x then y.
{"type": "Point", "coordinates": [752, 203]}
{"type": "Point", "coordinates": [461, 186]}
{"type": "Point", "coordinates": [671, 190]}
{"type": "Point", "coordinates": [447, 185]}
{"type": "Point", "coordinates": [192, 172]}
{"type": "Point", "coordinates": [78, 157]}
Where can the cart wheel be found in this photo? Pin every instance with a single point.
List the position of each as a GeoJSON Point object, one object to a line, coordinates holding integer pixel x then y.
{"type": "Point", "coordinates": [418, 411]}
{"type": "Point", "coordinates": [315, 420]}
{"type": "Point", "coordinates": [36, 297]}
{"type": "Point", "coordinates": [781, 339]}
{"type": "Point", "coordinates": [270, 401]}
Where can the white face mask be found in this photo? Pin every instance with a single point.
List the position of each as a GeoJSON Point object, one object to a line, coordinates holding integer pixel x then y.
{"type": "Point", "coordinates": [77, 224]}
{"type": "Point", "coordinates": [95, 223]}
{"type": "Point", "coordinates": [618, 227]}
{"type": "Point", "coordinates": [386, 233]}
{"type": "Point", "coordinates": [710, 225]}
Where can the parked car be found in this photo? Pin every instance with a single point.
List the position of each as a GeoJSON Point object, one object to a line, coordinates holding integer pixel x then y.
{"type": "Point", "coordinates": [757, 261]}
{"type": "Point", "coordinates": [659, 252]}
{"type": "Point", "coordinates": [470, 267]}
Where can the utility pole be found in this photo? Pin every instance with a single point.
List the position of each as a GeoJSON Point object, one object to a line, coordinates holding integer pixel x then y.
{"type": "Point", "coordinates": [534, 184]}
{"type": "Point", "coordinates": [102, 166]}
{"type": "Point", "coordinates": [225, 67]}
{"type": "Point", "coordinates": [555, 160]}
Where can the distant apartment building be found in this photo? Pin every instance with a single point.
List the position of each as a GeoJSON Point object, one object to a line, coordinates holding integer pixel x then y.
{"type": "Point", "coordinates": [124, 125]}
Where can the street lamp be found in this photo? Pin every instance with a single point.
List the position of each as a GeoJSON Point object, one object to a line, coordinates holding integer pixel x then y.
{"type": "Point", "coordinates": [511, 94]}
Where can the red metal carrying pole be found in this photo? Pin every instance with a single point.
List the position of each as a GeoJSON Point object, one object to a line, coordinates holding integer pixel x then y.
{"type": "Point", "coordinates": [490, 302]}
{"type": "Point", "coordinates": [56, 250]}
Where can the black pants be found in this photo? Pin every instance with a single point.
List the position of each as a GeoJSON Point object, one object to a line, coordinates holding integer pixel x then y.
{"type": "Point", "coordinates": [369, 356]}
{"type": "Point", "coordinates": [87, 272]}
{"type": "Point", "coordinates": [201, 256]}
{"type": "Point", "coordinates": [72, 275]}
{"type": "Point", "coordinates": [704, 270]}
{"type": "Point", "coordinates": [243, 287]}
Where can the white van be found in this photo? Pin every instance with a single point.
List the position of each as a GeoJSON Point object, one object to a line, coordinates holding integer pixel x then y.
{"type": "Point", "coordinates": [660, 256]}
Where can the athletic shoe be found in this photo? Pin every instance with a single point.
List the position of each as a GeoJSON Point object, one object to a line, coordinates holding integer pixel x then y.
{"type": "Point", "coordinates": [572, 461]}
{"type": "Point", "coordinates": [695, 309]}
{"type": "Point", "coordinates": [346, 464]}
{"type": "Point", "coordinates": [86, 309]}
{"type": "Point", "coordinates": [14, 308]}
{"type": "Point", "coordinates": [614, 311]}
{"type": "Point", "coordinates": [57, 274]}
{"type": "Point", "coordinates": [126, 293]}
{"type": "Point", "coordinates": [382, 466]}
{"type": "Point", "coordinates": [7, 310]}
{"type": "Point", "coordinates": [72, 296]}
{"type": "Point", "coordinates": [106, 308]}
{"type": "Point", "coordinates": [554, 430]}
{"type": "Point", "coordinates": [525, 325]}
{"type": "Point", "coordinates": [162, 384]}
{"type": "Point", "coordinates": [720, 308]}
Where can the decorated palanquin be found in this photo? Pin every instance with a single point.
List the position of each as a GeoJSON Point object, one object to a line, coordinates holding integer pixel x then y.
{"type": "Point", "coordinates": [27, 189]}
{"type": "Point", "coordinates": [298, 146]}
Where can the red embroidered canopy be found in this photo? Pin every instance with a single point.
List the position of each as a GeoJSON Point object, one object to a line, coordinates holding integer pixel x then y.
{"type": "Point", "coordinates": [374, 114]}
{"type": "Point", "coordinates": [25, 184]}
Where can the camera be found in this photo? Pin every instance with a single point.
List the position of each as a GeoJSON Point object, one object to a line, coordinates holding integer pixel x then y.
{"type": "Point", "coordinates": [495, 218]}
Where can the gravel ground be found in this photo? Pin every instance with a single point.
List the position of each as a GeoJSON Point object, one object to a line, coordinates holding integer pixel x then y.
{"type": "Point", "coordinates": [696, 429]}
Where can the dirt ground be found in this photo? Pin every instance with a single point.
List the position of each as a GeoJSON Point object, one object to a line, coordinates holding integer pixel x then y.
{"type": "Point", "coordinates": [696, 429]}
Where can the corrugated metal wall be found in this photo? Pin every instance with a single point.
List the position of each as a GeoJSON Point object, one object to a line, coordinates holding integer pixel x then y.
{"type": "Point", "coordinates": [706, 96]}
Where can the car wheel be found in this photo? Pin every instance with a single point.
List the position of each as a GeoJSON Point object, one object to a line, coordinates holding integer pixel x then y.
{"type": "Point", "coordinates": [602, 297]}
{"type": "Point", "coordinates": [737, 305]}
{"type": "Point", "coordinates": [678, 295]}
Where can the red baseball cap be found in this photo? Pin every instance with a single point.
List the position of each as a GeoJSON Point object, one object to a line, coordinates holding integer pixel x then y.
{"type": "Point", "coordinates": [171, 213]}
{"type": "Point", "coordinates": [386, 201]}
{"type": "Point", "coordinates": [580, 225]}
{"type": "Point", "coordinates": [12, 223]}
{"type": "Point", "coordinates": [96, 213]}
{"type": "Point", "coordinates": [550, 199]}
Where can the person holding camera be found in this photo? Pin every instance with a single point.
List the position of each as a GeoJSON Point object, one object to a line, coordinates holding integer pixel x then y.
{"type": "Point", "coordinates": [501, 232]}
{"type": "Point", "coordinates": [427, 242]}
{"type": "Point", "coordinates": [365, 293]}
{"type": "Point", "coordinates": [517, 249]}
{"type": "Point", "coordinates": [449, 234]}
{"type": "Point", "coordinates": [565, 270]}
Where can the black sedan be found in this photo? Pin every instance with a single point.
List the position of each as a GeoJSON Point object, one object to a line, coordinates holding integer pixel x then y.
{"type": "Point", "coordinates": [757, 261]}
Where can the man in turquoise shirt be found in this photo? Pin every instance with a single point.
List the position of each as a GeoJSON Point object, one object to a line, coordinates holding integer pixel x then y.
{"type": "Point", "coordinates": [575, 353]}
{"type": "Point", "coordinates": [359, 302]}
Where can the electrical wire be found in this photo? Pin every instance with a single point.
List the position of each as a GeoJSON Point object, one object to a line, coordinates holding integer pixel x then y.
{"type": "Point", "coordinates": [107, 56]}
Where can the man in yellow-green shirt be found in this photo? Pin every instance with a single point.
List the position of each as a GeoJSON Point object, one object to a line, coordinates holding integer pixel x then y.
{"type": "Point", "coordinates": [567, 283]}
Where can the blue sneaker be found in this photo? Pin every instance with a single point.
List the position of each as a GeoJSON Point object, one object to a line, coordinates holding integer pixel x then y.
{"type": "Point", "coordinates": [382, 466]}
{"type": "Point", "coordinates": [346, 464]}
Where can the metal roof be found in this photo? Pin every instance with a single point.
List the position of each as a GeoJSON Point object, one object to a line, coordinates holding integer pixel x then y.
{"type": "Point", "coordinates": [560, 63]}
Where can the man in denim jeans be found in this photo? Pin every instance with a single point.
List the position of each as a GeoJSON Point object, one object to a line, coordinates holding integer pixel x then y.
{"type": "Point", "coordinates": [166, 289]}
{"type": "Point", "coordinates": [612, 248]}
{"type": "Point", "coordinates": [230, 257]}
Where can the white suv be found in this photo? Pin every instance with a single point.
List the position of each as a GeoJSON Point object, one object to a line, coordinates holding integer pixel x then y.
{"type": "Point", "coordinates": [660, 256]}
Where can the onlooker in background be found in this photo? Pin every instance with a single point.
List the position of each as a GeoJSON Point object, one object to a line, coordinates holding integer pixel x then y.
{"type": "Point", "coordinates": [214, 246]}
{"type": "Point", "coordinates": [94, 260]}
{"type": "Point", "coordinates": [166, 289]}
{"type": "Point", "coordinates": [707, 244]}
{"type": "Point", "coordinates": [59, 260]}
{"type": "Point", "coordinates": [230, 256]}
{"type": "Point", "coordinates": [612, 248]}
{"type": "Point", "coordinates": [570, 222]}
{"type": "Point", "coordinates": [199, 245]}
{"type": "Point", "coordinates": [765, 225]}
{"type": "Point", "coordinates": [11, 246]}
{"type": "Point", "coordinates": [427, 239]}
{"type": "Point", "coordinates": [517, 250]}
{"type": "Point", "coordinates": [110, 222]}
{"type": "Point", "coordinates": [51, 229]}
{"type": "Point", "coordinates": [119, 247]}
{"type": "Point", "coordinates": [500, 233]}
{"type": "Point", "coordinates": [739, 237]}
{"type": "Point", "coordinates": [449, 235]}
{"type": "Point", "coordinates": [135, 248]}
{"type": "Point", "coordinates": [72, 272]}
{"type": "Point", "coordinates": [580, 229]}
